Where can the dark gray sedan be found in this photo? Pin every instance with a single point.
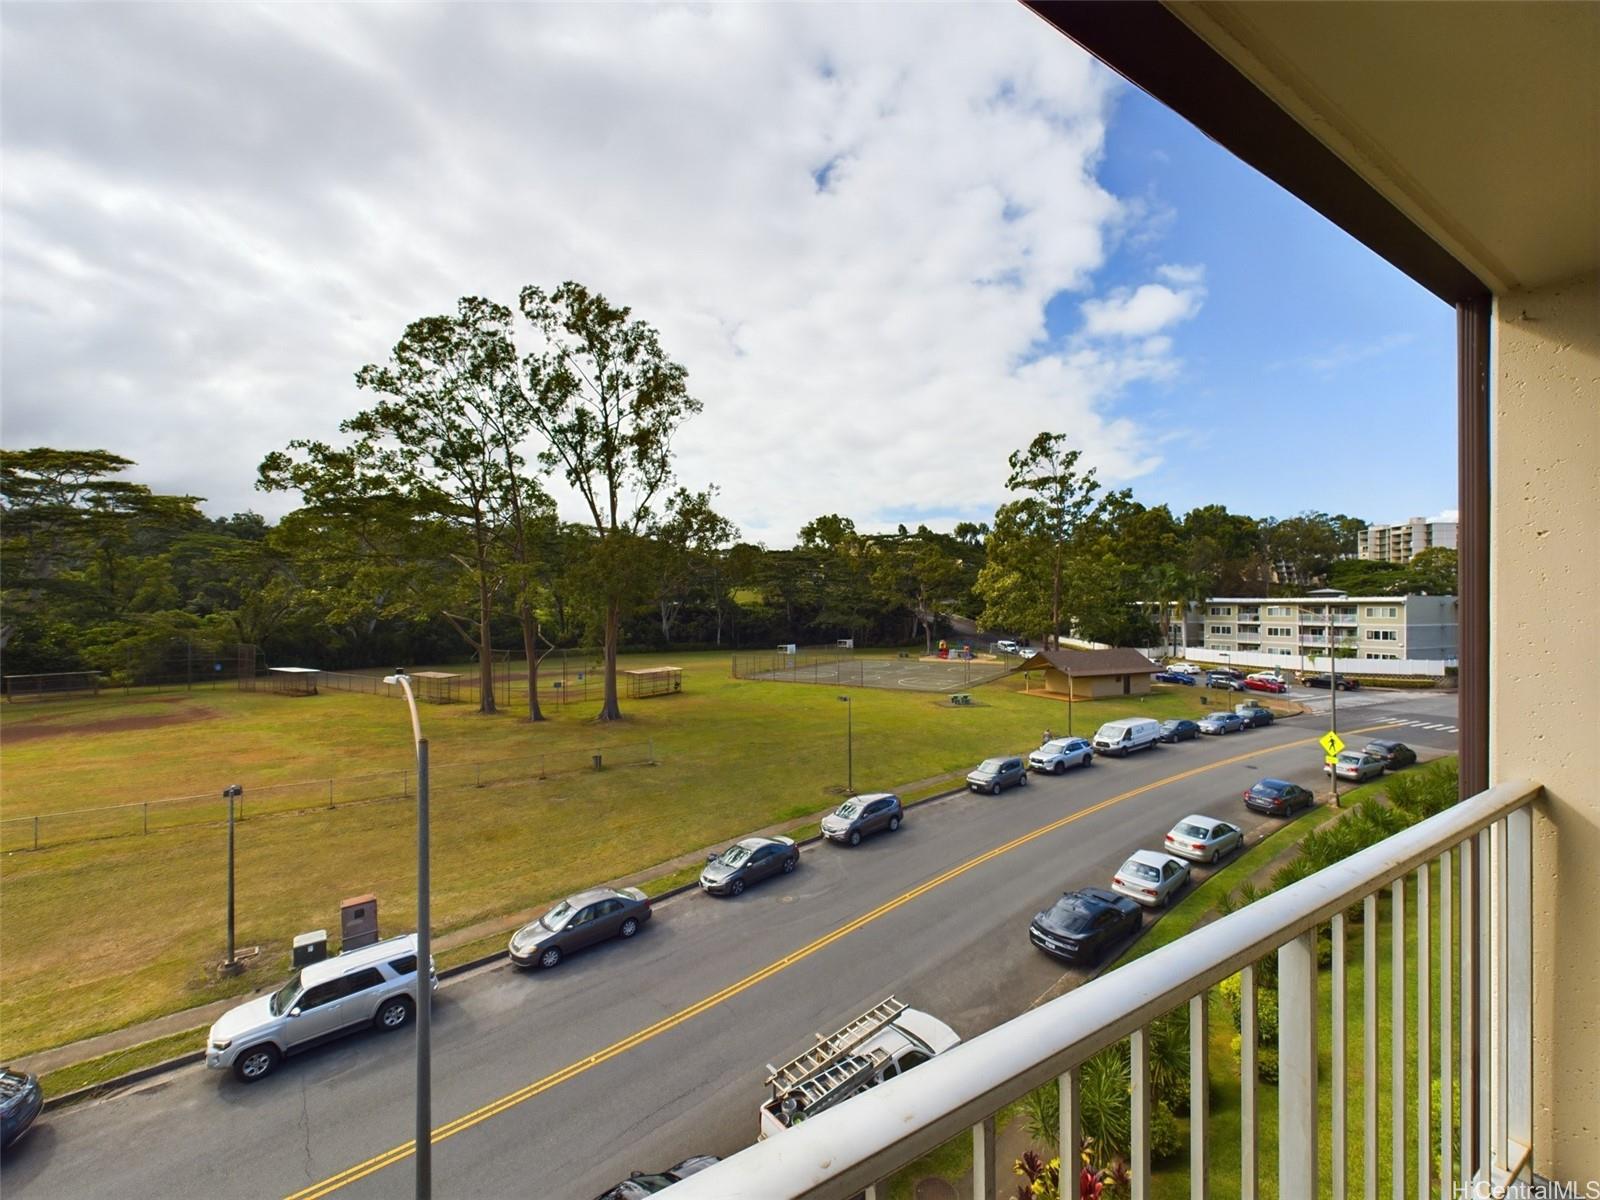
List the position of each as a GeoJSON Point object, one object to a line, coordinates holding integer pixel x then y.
{"type": "Point", "coordinates": [579, 921]}
{"type": "Point", "coordinates": [1179, 731]}
{"type": "Point", "coordinates": [640, 1184]}
{"type": "Point", "coordinates": [729, 871]}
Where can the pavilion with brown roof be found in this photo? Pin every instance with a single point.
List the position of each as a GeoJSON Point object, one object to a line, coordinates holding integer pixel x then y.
{"type": "Point", "coordinates": [1093, 674]}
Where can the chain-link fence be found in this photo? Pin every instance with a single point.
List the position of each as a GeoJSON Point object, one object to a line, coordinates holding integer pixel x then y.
{"type": "Point", "coordinates": [905, 671]}
{"type": "Point", "coordinates": [311, 795]}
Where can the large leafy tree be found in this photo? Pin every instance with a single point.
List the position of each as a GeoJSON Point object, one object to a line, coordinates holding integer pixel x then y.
{"type": "Point", "coordinates": [923, 571]}
{"type": "Point", "coordinates": [81, 546]}
{"type": "Point", "coordinates": [1055, 502]}
{"type": "Point", "coordinates": [690, 541]}
{"type": "Point", "coordinates": [608, 401]}
{"type": "Point", "coordinates": [438, 453]}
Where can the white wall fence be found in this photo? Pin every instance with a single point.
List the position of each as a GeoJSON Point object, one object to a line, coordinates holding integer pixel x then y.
{"type": "Point", "coordinates": [1433, 668]}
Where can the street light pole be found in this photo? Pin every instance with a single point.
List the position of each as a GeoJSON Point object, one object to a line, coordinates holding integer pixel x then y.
{"type": "Point", "coordinates": [1069, 701]}
{"type": "Point", "coordinates": [849, 748]}
{"type": "Point", "coordinates": [1333, 714]}
{"type": "Point", "coordinates": [424, 1129]}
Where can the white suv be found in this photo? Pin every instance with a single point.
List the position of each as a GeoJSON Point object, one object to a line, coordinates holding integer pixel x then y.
{"type": "Point", "coordinates": [373, 986]}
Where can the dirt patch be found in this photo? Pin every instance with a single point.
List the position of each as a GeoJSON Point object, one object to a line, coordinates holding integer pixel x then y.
{"type": "Point", "coordinates": [36, 730]}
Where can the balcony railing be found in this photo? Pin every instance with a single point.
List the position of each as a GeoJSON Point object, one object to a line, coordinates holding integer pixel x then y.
{"type": "Point", "coordinates": [1480, 851]}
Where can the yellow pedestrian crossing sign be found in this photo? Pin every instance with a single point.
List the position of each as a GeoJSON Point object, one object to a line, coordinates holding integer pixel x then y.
{"type": "Point", "coordinates": [1332, 743]}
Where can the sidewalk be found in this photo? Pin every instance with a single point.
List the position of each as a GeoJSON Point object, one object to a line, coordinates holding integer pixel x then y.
{"type": "Point", "coordinates": [43, 1062]}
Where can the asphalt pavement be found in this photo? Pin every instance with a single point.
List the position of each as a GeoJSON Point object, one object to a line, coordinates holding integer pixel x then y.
{"type": "Point", "coordinates": [634, 1055]}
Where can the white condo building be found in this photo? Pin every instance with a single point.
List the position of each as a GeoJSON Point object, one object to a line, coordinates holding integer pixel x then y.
{"type": "Point", "coordinates": [1403, 542]}
{"type": "Point", "coordinates": [1372, 627]}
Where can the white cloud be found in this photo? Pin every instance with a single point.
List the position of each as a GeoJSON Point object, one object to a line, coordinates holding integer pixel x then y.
{"type": "Point", "coordinates": [1149, 308]}
{"type": "Point", "coordinates": [845, 220]}
{"type": "Point", "coordinates": [1448, 514]}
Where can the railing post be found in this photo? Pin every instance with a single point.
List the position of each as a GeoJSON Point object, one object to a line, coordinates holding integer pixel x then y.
{"type": "Point", "coordinates": [1482, 1119]}
{"type": "Point", "coordinates": [1369, 1046]}
{"type": "Point", "coordinates": [1519, 977]}
{"type": "Point", "coordinates": [1071, 1137]}
{"type": "Point", "coordinates": [1499, 1146]}
{"type": "Point", "coordinates": [1424, 1034]}
{"type": "Point", "coordinates": [1297, 1066]}
{"type": "Point", "coordinates": [1397, 1038]}
{"type": "Point", "coordinates": [1446, 1027]}
{"type": "Point", "coordinates": [1469, 1028]}
{"type": "Point", "coordinates": [1338, 1065]}
{"type": "Point", "coordinates": [1247, 1083]}
{"type": "Point", "coordinates": [1199, 1099]}
{"type": "Point", "coordinates": [983, 1170]}
{"type": "Point", "coordinates": [1139, 1075]}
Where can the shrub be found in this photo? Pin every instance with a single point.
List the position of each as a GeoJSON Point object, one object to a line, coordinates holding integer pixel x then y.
{"type": "Point", "coordinates": [1041, 1115]}
{"type": "Point", "coordinates": [1266, 1009]}
{"type": "Point", "coordinates": [1103, 1092]}
{"type": "Point", "coordinates": [1267, 1066]}
{"type": "Point", "coordinates": [1169, 1059]}
{"type": "Point", "coordinates": [1166, 1138]}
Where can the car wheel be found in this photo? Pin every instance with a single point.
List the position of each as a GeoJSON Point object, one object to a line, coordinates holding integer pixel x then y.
{"type": "Point", "coordinates": [549, 957]}
{"type": "Point", "coordinates": [256, 1063]}
{"type": "Point", "coordinates": [736, 887]}
{"type": "Point", "coordinates": [994, 789]}
{"type": "Point", "coordinates": [393, 1014]}
{"type": "Point", "coordinates": [1023, 782]}
{"type": "Point", "coordinates": [629, 927]}
{"type": "Point", "coordinates": [1059, 769]}
{"type": "Point", "coordinates": [894, 823]}
{"type": "Point", "coordinates": [790, 864]}
{"type": "Point", "coordinates": [855, 837]}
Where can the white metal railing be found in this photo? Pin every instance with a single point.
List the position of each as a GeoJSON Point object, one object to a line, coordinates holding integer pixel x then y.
{"type": "Point", "coordinates": [1482, 849]}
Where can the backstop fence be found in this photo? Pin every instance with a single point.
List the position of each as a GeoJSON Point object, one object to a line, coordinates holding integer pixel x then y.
{"type": "Point", "coordinates": [906, 671]}
{"type": "Point", "coordinates": [139, 818]}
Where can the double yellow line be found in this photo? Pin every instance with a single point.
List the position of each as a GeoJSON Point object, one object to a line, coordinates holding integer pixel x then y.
{"type": "Point", "coordinates": [494, 1108]}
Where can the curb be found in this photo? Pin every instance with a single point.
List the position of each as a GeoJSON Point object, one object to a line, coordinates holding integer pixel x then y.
{"type": "Point", "coordinates": [96, 1090]}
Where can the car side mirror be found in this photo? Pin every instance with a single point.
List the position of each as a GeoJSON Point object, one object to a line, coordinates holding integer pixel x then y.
{"type": "Point", "coordinates": [712, 857]}
{"type": "Point", "coordinates": [294, 1012]}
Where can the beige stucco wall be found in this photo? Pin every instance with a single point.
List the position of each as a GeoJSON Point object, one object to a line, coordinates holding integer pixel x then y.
{"type": "Point", "coordinates": [1545, 689]}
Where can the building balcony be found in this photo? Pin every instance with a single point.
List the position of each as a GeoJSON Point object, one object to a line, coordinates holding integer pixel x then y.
{"type": "Point", "coordinates": [1472, 864]}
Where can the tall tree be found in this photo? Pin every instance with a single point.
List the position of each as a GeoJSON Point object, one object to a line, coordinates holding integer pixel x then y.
{"type": "Point", "coordinates": [1057, 500]}
{"type": "Point", "coordinates": [441, 445]}
{"type": "Point", "coordinates": [608, 401]}
{"type": "Point", "coordinates": [689, 539]}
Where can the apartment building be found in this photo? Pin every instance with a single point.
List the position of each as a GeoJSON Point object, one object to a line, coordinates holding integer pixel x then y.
{"type": "Point", "coordinates": [1372, 627]}
{"type": "Point", "coordinates": [1403, 542]}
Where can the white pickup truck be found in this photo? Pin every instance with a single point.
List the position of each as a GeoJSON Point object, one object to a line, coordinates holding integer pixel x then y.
{"type": "Point", "coordinates": [879, 1044]}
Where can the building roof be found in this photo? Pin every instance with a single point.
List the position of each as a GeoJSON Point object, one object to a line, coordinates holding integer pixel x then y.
{"type": "Point", "coordinates": [1116, 661]}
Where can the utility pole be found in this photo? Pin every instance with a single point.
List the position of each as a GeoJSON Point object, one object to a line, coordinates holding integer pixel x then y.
{"type": "Point", "coordinates": [1069, 701]}
{"type": "Point", "coordinates": [1333, 712]}
{"type": "Point", "coordinates": [230, 965]}
{"type": "Point", "coordinates": [849, 748]}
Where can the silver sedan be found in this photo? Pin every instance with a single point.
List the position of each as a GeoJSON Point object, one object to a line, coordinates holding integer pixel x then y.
{"type": "Point", "coordinates": [1357, 766]}
{"type": "Point", "coordinates": [1203, 839]}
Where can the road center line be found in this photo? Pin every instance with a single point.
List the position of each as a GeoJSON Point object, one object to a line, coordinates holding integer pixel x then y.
{"type": "Point", "coordinates": [495, 1107]}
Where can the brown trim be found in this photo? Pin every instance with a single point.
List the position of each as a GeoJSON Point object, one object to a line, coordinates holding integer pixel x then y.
{"type": "Point", "coordinates": [1156, 52]}
{"type": "Point", "coordinates": [1472, 539]}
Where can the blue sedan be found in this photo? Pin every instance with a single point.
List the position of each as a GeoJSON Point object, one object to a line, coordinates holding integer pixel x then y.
{"type": "Point", "coordinates": [1174, 677]}
{"type": "Point", "coordinates": [1222, 722]}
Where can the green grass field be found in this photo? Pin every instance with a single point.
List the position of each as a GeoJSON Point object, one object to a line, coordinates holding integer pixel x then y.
{"type": "Point", "coordinates": [101, 933]}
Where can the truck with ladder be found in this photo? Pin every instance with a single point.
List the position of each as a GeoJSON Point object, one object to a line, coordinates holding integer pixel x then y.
{"type": "Point", "coordinates": [882, 1042]}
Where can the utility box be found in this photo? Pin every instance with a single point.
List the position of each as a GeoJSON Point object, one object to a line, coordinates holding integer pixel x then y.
{"type": "Point", "coordinates": [310, 948]}
{"type": "Point", "coordinates": [358, 922]}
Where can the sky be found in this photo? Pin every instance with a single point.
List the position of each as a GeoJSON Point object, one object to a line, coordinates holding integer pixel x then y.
{"type": "Point", "coordinates": [890, 244]}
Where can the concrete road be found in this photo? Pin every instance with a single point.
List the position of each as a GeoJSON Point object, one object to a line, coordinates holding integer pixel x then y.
{"type": "Point", "coordinates": [634, 1055]}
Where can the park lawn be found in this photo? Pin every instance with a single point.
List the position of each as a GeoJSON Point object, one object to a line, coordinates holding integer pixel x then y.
{"type": "Point", "coordinates": [99, 934]}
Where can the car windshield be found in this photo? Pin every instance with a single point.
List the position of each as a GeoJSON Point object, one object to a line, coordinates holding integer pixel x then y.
{"type": "Point", "coordinates": [1352, 759]}
{"type": "Point", "coordinates": [734, 855]}
{"type": "Point", "coordinates": [557, 917]}
{"type": "Point", "coordinates": [1140, 870]}
{"type": "Point", "coordinates": [991, 766]}
{"type": "Point", "coordinates": [651, 1183]}
{"type": "Point", "coordinates": [1055, 747]}
{"type": "Point", "coordinates": [1069, 917]}
{"type": "Point", "coordinates": [1380, 748]}
{"type": "Point", "coordinates": [1268, 788]}
{"type": "Point", "coordinates": [848, 809]}
{"type": "Point", "coordinates": [283, 998]}
{"type": "Point", "coordinates": [1194, 831]}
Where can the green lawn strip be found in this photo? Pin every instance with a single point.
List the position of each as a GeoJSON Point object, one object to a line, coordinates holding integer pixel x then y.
{"type": "Point", "coordinates": [102, 934]}
{"type": "Point", "coordinates": [117, 1063]}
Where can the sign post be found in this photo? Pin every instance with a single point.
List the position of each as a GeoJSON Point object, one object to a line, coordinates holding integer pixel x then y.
{"type": "Point", "coordinates": [1332, 744]}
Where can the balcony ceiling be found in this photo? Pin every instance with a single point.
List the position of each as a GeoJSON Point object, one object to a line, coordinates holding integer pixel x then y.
{"type": "Point", "coordinates": [1480, 121]}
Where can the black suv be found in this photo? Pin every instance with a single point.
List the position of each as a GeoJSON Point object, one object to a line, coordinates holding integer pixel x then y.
{"type": "Point", "coordinates": [1083, 925]}
{"type": "Point", "coordinates": [1346, 684]}
{"type": "Point", "coordinates": [861, 815]}
{"type": "Point", "coordinates": [1394, 754]}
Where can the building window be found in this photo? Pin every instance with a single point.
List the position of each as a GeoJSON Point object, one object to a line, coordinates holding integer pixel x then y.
{"type": "Point", "coordinates": [1386, 611]}
{"type": "Point", "coordinates": [1279, 631]}
{"type": "Point", "coordinates": [1387, 657]}
{"type": "Point", "coordinates": [1221, 610]}
{"type": "Point", "coordinates": [1228, 629]}
{"type": "Point", "coordinates": [1382, 635]}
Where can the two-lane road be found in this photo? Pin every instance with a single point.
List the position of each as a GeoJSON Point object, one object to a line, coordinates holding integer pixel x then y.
{"type": "Point", "coordinates": [634, 1055]}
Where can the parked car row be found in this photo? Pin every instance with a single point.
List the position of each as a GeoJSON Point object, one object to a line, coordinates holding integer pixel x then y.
{"type": "Point", "coordinates": [1371, 761]}
{"type": "Point", "coordinates": [1228, 679]}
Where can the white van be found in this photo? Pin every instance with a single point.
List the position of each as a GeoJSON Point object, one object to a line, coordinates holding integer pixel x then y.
{"type": "Point", "coordinates": [1124, 737]}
